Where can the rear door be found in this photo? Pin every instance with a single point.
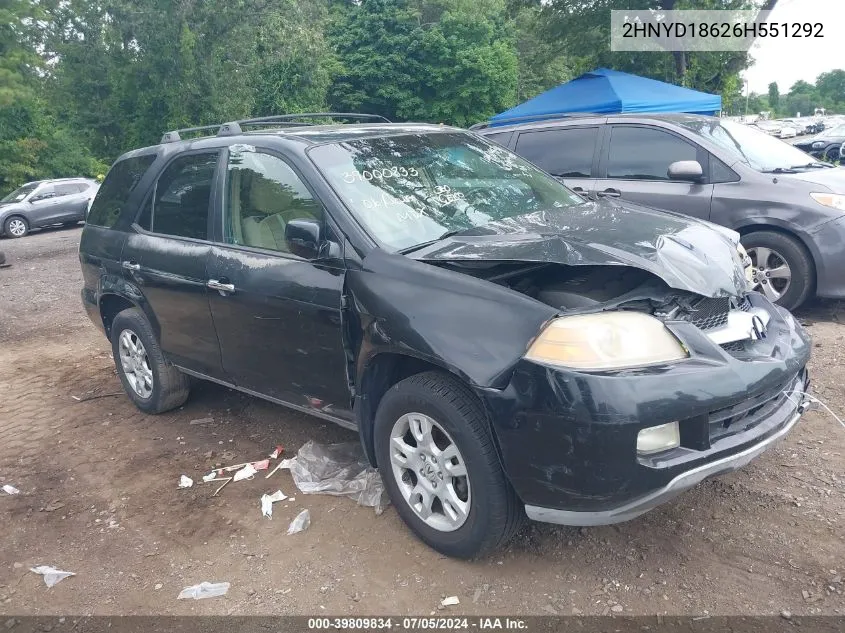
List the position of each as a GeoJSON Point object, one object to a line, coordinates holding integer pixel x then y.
{"type": "Point", "coordinates": [635, 166]}
{"type": "Point", "coordinates": [278, 315]}
{"type": "Point", "coordinates": [72, 203]}
{"type": "Point", "coordinates": [166, 255]}
{"type": "Point", "coordinates": [569, 154]}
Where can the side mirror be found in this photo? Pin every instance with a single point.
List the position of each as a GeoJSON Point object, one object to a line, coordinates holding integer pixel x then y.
{"type": "Point", "coordinates": [303, 238]}
{"type": "Point", "coordinates": [689, 170]}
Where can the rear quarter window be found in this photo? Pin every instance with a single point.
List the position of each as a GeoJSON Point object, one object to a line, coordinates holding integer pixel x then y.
{"type": "Point", "coordinates": [121, 180]}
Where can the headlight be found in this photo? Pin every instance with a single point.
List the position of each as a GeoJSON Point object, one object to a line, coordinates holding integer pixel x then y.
{"type": "Point", "coordinates": [832, 200]}
{"type": "Point", "coordinates": [818, 144]}
{"type": "Point", "coordinates": [658, 438]}
{"type": "Point", "coordinates": [605, 341]}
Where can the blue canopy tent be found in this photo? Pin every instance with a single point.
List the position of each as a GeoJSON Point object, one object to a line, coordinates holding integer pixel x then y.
{"type": "Point", "coordinates": [610, 91]}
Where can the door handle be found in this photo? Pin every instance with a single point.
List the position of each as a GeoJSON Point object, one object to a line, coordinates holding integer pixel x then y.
{"type": "Point", "coordinates": [609, 193]}
{"type": "Point", "coordinates": [130, 265]}
{"type": "Point", "coordinates": [221, 285]}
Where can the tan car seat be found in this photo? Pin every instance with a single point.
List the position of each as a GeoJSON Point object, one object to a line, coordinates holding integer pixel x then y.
{"type": "Point", "coordinates": [263, 223]}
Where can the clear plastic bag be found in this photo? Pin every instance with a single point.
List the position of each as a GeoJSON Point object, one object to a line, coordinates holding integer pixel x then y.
{"type": "Point", "coordinates": [337, 469]}
{"type": "Point", "coordinates": [204, 590]}
{"type": "Point", "coordinates": [51, 574]}
{"type": "Point", "coordinates": [300, 523]}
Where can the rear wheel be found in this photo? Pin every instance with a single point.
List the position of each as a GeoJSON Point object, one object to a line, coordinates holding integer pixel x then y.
{"type": "Point", "coordinates": [440, 466]}
{"type": "Point", "coordinates": [153, 384]}
{"type": "Point", "coordinates": [781, 268]}
{"type": "Point", "coordinates": [16, 226]}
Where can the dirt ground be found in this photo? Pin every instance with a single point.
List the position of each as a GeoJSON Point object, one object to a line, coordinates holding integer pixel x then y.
{"type": "Point", "coordinates": [99, 497]}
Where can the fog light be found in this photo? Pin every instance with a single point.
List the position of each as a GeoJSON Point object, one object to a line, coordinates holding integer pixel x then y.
{"type": "Point", "coordinates": [658, 438]}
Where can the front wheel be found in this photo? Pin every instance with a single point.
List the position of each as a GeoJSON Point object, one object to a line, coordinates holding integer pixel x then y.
{"type": "Point", "coordinates": [153, 384]}
{"type": "Point", "coordinates": [440, 467]}
{"type": "Point", "coordinates": [16, 226]}
{"type": "Point", "coordinates": [781, 268]}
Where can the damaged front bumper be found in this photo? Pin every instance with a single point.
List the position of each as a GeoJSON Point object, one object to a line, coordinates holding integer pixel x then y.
{"type": "Point", "coordinates": [568, 439]}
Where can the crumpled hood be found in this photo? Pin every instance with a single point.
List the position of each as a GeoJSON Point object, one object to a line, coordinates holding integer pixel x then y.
{"type": "Point", "coordinates": [687, 254]}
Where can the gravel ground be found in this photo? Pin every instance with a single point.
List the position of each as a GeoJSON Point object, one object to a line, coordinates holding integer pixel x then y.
{"type": "Point", "coordinates": [99, 497]}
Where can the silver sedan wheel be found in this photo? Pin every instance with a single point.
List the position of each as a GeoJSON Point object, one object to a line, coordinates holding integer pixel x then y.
{"type": "Point", "coordinates": [17, 227]}
{"type": "Point", "coordinates": [135, 363]}
{"type": "Point", "coordinates": [771, 274]}
{"type": "Point", "coordinates": [430, 472]}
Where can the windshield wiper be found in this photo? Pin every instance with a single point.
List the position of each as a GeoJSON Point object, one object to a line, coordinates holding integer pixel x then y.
{"type": "Point", "coordinates": [813, 165]}
{"type": "Point", "coordinates": [417, 247]}
{"type": "Point", "coordinates": [781, 170]}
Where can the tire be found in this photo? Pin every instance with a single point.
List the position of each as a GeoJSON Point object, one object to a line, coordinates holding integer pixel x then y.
{"type": "Point", "coordinates": [12, 224]}
{"type": "Point", "coordinates": [169, 388]}
{"type": "Point", "coordinates": [493, 512]}
{"type": "Point", "coordinates": [788, 250]}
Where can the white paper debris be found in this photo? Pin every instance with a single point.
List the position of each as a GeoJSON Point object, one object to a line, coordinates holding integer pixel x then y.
{"type": "Point", "coordinates": [204, 590]}
{"type": "Point", "coordinates": [451, 601]}
{"type": "Point", "coordinates": [185, 481]}
{"type": "Point", "coordinates": [11, 490]}
{"type": "Point", "coordinates": [245, 473]}
{"type": "Point", "coordinates": [210, 476]}
{"type": "Point", "coordinates": [267, 502]}
{"type": "Point", "coordinates": [300, 523]}
{"type": "Point", "coordinates": [51, 574]}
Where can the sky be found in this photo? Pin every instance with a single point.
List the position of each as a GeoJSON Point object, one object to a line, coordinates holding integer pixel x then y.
{"type": "Point", "coordinates": [788, 60]}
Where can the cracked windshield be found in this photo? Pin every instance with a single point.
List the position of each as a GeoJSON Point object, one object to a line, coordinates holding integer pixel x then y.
{"type": "Point", "coordinates": [412, 189]}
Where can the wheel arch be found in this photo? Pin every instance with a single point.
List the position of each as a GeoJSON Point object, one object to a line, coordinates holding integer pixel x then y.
{"type": "Point", "coordinates": [112, 302]}
{"type": "Point", "coordinates": [379, 373]}
{"type": "Point", "coordinates": [754, 226]}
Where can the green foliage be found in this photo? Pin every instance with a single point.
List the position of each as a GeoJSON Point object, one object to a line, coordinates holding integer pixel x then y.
{"type": "Point", "coordinates": [774, 96]}
{"type": "Point", "coordinates": [33, 147]}
{"type": "Point", "coordinates": [450, 61]}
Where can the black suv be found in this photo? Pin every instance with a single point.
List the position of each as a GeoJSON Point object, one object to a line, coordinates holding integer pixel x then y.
{"type": "Point", "coordinates": [502, 345]}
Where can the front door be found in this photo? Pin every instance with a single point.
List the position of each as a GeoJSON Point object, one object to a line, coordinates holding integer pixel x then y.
{"type": "Point", "coordinates": [566, 153]}
{"type": "Point", "coordinates": [277, 315]}
{"type": "Point", "coordinates": [44, 206]}
{"type": "Point", "coordinates": [636, 167]}
{"type": "Point", "coordinates": [166, 255]}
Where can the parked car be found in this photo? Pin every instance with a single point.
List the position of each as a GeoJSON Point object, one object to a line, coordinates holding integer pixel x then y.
{"type": "Point", "coordinates": [824, 145]}
{"type": "Point", "coordinates": [771, 128]}
{"type": "Point", "coordinates": [789, 208]}
{"type": "Point", "coordinates": [502, 345]}
{"type": "Point", "coordinates": [44, 203]}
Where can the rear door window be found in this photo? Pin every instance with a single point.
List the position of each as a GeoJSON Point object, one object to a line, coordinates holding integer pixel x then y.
{"type": "Point", "coordinates": [67, 189]}
{"type": "Point", "coordinates": [566, 153]}
{"type": "Point", "coordinates": [113, 194]}
{"type": "Point", "coordinates": [182, 197]}
{"type": "Point", "coordinates": [639, 153]}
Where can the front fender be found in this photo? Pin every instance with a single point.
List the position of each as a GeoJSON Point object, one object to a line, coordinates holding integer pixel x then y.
{"type": "Point", "coordinates": [475, 329]}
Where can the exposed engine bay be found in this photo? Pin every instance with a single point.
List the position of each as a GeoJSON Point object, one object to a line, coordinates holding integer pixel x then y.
{"type": "Point", "coordinates": [727, 321]}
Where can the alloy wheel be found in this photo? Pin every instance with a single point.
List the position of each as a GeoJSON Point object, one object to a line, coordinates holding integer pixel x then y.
{"type": "Point", "coordinates": [135, 363]}
{"type": "Point", "coordinates": [430, 472]}
{"type": "Point", "coordinates": [770, 273]}
{"type": "Point", "coordinates": [16, 227]}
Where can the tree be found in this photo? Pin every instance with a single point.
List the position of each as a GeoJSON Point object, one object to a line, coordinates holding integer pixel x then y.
{"type": "Point", "coordinates": [831, 88]}
{"type": "Point", "coordinates": [774, 96]}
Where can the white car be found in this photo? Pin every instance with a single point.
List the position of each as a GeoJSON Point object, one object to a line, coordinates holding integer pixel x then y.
{"type": "Point", "coordinates": [787, 131]}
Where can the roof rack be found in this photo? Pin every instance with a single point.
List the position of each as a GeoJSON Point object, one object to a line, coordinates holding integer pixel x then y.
{"type": "Point", "coordinates": [529, 118]}
{"type": "Point", "coordinates": [233, 128]}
